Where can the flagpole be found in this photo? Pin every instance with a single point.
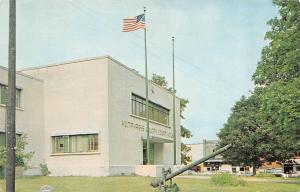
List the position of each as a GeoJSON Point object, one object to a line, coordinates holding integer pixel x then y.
{"type": "Point", "coordinates": [174, 92]}
{"type": "Point", "coordinates": [147, 98]}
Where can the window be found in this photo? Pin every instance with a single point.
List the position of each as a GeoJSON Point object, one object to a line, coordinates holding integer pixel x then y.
{"type": "Point", "coordinates": [3, 95]}
{"type": "Point", "coordinates": [75, 143]}
{"type": "Point", "coordinates": [156, 112]}
{"type": "Point", "coordinates": [18, 98]}
{"type": "Point", "coordinates": [234, 170]}
{"type": "Point", "coordinates": [3, 138]}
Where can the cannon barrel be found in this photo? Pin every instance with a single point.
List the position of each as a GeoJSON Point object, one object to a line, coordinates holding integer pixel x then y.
{"type": "Point", "coordinates": [157, 182]}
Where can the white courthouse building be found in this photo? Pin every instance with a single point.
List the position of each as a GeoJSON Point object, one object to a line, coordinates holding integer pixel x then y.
{"type": "Point", "coordinates": [87, 117]}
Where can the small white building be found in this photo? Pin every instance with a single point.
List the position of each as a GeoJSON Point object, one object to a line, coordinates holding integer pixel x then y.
{"type": "Point", "coordinates": [292, 166]}
{"type": "Point", "coordinates": [215, 164]}
{"type": "Point", "coordinates": [87, 117]}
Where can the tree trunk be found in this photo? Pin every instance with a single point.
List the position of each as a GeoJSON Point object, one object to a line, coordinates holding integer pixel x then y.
{"type": "Point", "coordinates": [254, 168]}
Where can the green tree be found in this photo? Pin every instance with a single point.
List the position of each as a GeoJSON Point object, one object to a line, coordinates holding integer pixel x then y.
{"type": "Point", "coordinates": [185, 133]}
{"type": "Point", "coordinates": [160, 81]}
{"type": "Point", "coordinates": [265, 126]}
{"type": "Point", "coordinates": [244, 130]}
{"type": "Point", "coordinates": [280, 113]}
{"type": "Point", "coordinates": [280, 58]}
{"type": "Point", "coordinates": [277, 75]}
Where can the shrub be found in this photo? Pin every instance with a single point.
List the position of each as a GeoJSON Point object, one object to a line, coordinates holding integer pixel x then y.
{"type": "Point", "coordinates": [22, 156]}
{"type": "Point", "coordinates": [226, 179]}
{"type": "Point", "coordinates": [2, 175]}
{"type": "Point", "coordinates": [44, 169]}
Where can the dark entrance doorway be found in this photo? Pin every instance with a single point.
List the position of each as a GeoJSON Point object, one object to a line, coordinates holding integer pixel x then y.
{"type": "Point", "coordinates": [145, 153]}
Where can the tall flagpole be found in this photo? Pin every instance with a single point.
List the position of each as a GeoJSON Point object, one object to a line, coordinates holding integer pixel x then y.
{"type": "Point", "coordinates": [174, 92]}
{"type": "Point", "coordinates": [147, 98]}
{"type": "Point", "coordinates": [11, 101]}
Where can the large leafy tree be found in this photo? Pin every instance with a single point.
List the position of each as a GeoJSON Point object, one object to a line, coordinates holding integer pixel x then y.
{"type": "Point", "coordinates": [280, 113]}
{"type": "Point", "coordinates": [266, 125]}
{"type": "Point", "coordinates": [185, 133]}
{"type": "Point", "coordinates": [278, 76]}
{"type": "Point", "coordinates": [280, 58]}
{"type": "Point", "coordinates": [244, 130]}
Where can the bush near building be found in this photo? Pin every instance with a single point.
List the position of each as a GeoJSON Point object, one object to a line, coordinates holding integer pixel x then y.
{"type": "Point", "coordinates": [226, 179]}
{"type": "Point", "coordinates": [22, 156]}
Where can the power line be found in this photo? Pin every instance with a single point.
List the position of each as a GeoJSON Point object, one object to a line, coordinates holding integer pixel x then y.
{"type": "Point", "coordinates": [88, 12]}
{"type": "Point", "coordinates": [164, 51]}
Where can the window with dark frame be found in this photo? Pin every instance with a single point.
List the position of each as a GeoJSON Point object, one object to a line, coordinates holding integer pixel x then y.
{"type": "Point", "coordinates": [75, 143]}
{"type": "Point", "coordinates": [3, 95]}
{"type": "Point", "coordinates": [156, 112]}
{"type": "Point", "coordinates": [3, 138]}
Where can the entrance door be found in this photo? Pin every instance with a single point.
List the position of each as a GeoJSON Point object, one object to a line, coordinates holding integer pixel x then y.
{"type": "Point", "coordinates": [145, 153]}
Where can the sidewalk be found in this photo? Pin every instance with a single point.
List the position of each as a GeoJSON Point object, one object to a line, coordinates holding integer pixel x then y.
{"type": "Point", "coordinates": [250, 179]}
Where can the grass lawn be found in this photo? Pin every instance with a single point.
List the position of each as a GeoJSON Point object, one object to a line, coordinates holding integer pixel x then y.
{"type": "Point", "coordinates": [137, 184]}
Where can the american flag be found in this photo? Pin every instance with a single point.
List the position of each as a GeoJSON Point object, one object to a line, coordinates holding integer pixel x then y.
{"type": "Point", "coordinates": [134, 23]}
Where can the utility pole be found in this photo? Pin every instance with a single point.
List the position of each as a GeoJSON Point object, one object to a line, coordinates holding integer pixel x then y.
{"type": "Point", "coordinates": [11, 101]}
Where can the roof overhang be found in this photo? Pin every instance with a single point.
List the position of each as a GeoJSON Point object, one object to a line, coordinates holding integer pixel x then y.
{"type": "Point", "coordinates": [154, 139]}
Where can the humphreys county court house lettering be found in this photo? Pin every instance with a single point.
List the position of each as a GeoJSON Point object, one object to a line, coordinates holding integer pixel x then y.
{"type": "Point", "coordinates": [141, 128]}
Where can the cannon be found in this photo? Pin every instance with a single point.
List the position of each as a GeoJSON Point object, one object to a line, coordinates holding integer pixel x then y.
{"type": "Point", "coordinates": [167, 175]}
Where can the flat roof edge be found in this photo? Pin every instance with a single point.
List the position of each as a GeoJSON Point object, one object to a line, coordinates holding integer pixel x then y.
{"type": "Point", "coordinates": [22, 74]}
{"type": "Point", "coordinates": [65, 63]}
{"type": "Point", "coordinates": [95, 58]}
{"type": "Point", "coordinates": [134, 72]}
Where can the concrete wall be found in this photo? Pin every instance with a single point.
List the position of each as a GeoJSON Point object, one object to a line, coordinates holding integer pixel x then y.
{"type": "Point", "coordinates": [126, 131]}
{"type": "Point", "coordinates": [196, 151]}
{"type": "Point", "coordinates": [29, 117]}
{"type": "Point", "coordinates": [75, 102]}
{"type": "Point", "coordinates": [94, 96]}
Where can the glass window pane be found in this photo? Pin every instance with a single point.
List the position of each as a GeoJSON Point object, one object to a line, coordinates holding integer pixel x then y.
{"type": "Point", "coordinates": [150, 112]}
{"type": "Point", "coordinates": [83, 143]}
{"type": "Point", "coordinates": [3, 91]}
{"type": "Point", "coordinates": [144, 110]}
{"type": "Point", "coordinates": [61, 144]}
{"type": "Point", "coordinates": [2, 139]}
{"type": "Point", "coordinates": [66, 144]}
{"type": "Point", "coordinates": [132, 107]}
{"type": "Point", "coordinates": [93, 143]}
{"type": "Point", "coordinates": [18, 98]}
{"type": "Point", "coordinates": [155, 115]}
{"type": "Point", "coordinates": [73, 141]}
{"type": "Point", "coordinates": [96, 143]}
{"type": "Point", "coordinates": [140, 110]}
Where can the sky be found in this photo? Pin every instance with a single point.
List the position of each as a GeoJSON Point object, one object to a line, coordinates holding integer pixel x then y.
{"type": "Point", "coordinates": [217, 45]}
